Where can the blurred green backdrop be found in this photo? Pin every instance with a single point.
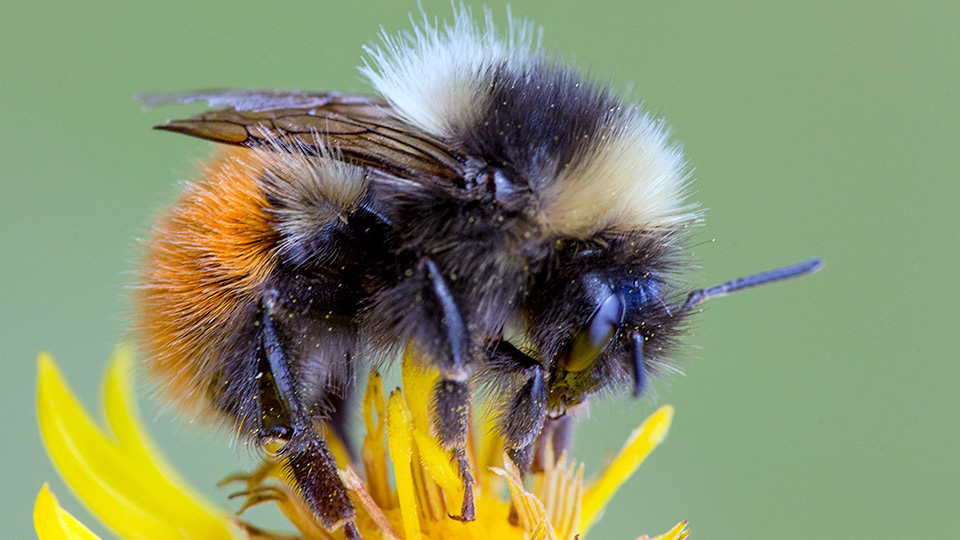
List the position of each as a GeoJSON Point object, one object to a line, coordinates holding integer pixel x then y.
{"type": "Point", "coordinates": [826, 407]}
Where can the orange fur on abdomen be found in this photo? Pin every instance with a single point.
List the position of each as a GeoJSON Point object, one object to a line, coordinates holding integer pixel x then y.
{"type": "Point", "coordinates": [205, 264]}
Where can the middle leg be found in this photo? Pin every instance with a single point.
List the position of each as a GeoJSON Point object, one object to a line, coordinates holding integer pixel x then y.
{"type": "Point", "coordinates": [452, 391]}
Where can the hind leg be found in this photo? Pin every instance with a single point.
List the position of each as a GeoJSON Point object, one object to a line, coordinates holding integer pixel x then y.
{"type": "Point", "coordinates": [286, 417]}
{"type": "Point", "coordinates": [276, 382]}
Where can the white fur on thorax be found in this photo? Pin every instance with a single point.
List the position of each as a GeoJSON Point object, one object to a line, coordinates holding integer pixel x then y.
{"type": "Point", "coordinates": [437, 76]}
{"type": "Point", "coordinates": [438, 79]}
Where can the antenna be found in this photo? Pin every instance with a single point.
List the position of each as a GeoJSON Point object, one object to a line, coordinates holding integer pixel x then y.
{"type": "Point", "coordinates": [770, 276]}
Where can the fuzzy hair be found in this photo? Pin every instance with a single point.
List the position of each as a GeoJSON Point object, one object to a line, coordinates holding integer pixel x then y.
{"type": "Point", "coordinates": [632, 179]}
{"type": "Point", "coordinates": [610, 166]}
{"type": "Point", "coordinates": [306, 193]}
{"type": "Point", "coordinates": [204, 266]}
{"type": "Point", "coordinates": [436, 76]}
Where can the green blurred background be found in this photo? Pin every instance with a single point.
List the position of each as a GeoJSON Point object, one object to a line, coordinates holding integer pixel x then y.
{"type": "Point", "coordinates": [825, 407]}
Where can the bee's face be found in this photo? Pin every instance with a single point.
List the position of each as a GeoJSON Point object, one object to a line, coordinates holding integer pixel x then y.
{"type": "Point", "coordinates": [596, 314]}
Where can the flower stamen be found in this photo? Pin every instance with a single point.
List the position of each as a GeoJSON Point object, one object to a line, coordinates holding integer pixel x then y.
{"type": "Point", "coordinates": [115, 470]}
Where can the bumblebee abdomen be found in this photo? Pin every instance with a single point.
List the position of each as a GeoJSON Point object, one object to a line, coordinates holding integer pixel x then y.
{"type": "Point", "coordinates": [205, 266]}
{"type": "Point", "coordinates": [262, 237]}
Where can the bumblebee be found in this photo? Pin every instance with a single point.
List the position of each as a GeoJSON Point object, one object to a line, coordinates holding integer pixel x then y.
{"type": "Point", "coordinates": [520, 225]}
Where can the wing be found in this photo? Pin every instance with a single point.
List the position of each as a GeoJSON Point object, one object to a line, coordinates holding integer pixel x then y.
{"type": "Point", "coordinates": [361, 129]}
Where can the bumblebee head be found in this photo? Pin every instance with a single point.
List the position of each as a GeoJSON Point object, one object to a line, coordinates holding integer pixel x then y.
{"type": "Point", "coordinates": [604, 313]}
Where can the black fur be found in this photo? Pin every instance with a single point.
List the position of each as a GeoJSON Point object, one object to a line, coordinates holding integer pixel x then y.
{"type": "Point", "coordinates": [540, 118]}
{"type": "Point", "coordinates": [447, 265]}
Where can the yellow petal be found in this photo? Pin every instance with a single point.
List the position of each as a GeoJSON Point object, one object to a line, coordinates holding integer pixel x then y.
{"type": "Point", "coordinates": [399, 428]}
{"type": "Point", "coordinates": [54, 523]}
{"type": "Point", "coordinates": [436, 461]}
{"type": "Point", "coordinates": [177, 500]}
{"type": "Point", "coordinates": [561, 491]}
{"type": "Point", "coordinates": [678, 532]}
{"type": "Point", "coordinates": [119, 482]}
{"type": "Point", "coordinates": [491, 453]}
{"type": "Point", "coordinates": [533, 516]}
{"type": "Point", "coordinates": [429, 495]}
{"type": "Point", "coordinates": [374, 451]}
{"type": "Point", "coordinates": [418, 380]}
{"type": "Point", "coordinates": [373, 402]}
{"type": "Point", "coordinates": [641, 442]}
{"type": "Point", "coordinates": [121, 410]}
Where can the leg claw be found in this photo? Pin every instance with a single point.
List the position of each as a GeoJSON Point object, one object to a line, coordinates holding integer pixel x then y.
{"type": "Point", "coordinates": [468, 512]}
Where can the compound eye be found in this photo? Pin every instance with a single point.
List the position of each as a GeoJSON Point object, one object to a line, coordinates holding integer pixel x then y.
{"type": "Point", "coordinates": [582, 352]}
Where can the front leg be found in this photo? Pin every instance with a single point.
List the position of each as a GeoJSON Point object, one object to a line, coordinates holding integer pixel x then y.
{"type": "Point", "coordinates": [522, 421]}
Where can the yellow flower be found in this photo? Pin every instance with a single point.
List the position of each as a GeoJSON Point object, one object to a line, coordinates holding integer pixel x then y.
{"type": "Point", "coordinates": [127, 483]}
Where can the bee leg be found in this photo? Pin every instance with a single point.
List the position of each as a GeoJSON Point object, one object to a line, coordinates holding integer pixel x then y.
{"type": "Point", "coordinates": [452, 406]}
{"type": "Point", "coordinates": [314, 471]}
{"type": "Point", "coordinates": [523, 420]}
{"type": "Point", "coordinates": [452, 393]}
{"type": "Point", "coordinates": [284, 418]}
